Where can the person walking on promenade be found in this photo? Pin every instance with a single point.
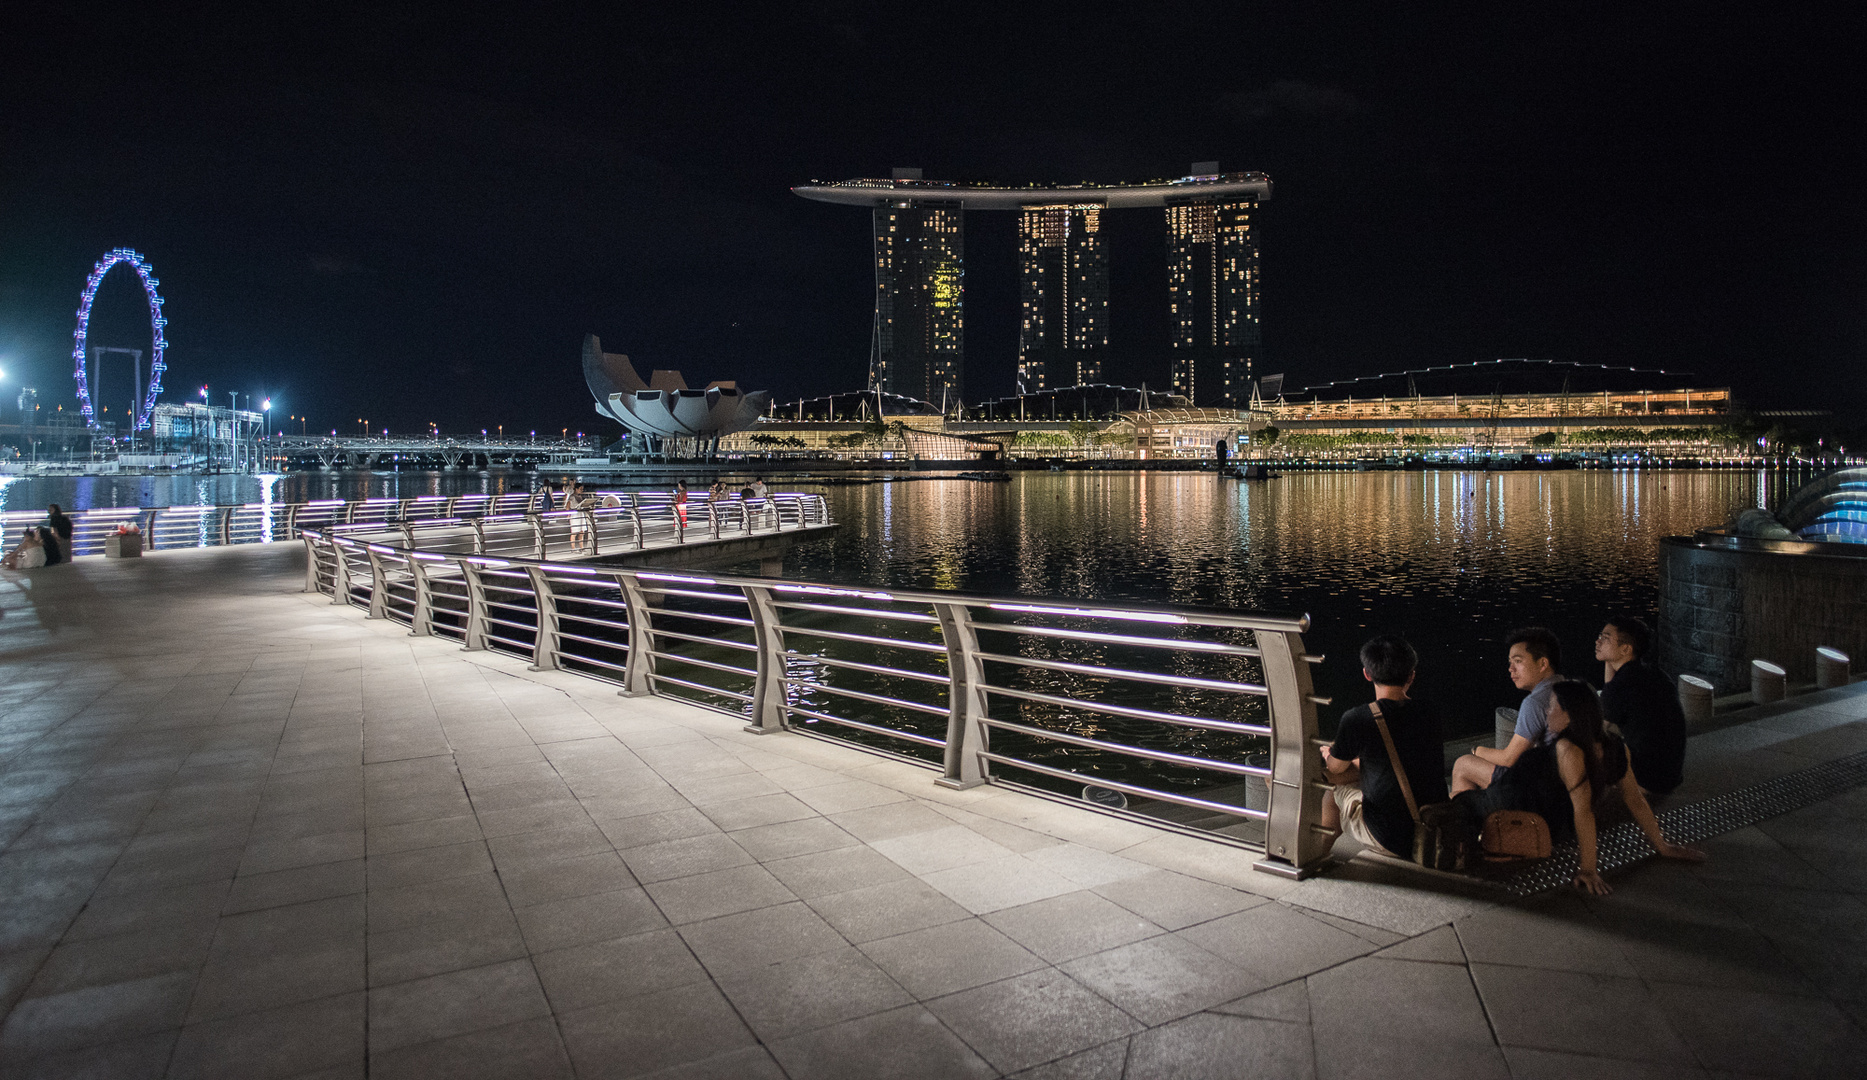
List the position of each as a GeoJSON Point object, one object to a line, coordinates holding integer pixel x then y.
{"type": "Point", "coordinates": [1573, 780]}
{"type": "Point", "coordinates": [1535, 666]}
{"type": "Point", "coordinates": [1640, 700]}
{"type": "Point", "coordinates": [1367, 800]}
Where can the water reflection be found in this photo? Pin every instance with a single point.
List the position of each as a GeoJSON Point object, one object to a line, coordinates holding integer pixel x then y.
{"type": "Point", "coordinates": [1452, 560]}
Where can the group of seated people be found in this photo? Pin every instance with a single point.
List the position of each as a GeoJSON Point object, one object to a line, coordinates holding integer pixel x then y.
{"type": "Point", "coordinates": [45, 544]}
{"type": "Point", "coordinates": [1576, 756]}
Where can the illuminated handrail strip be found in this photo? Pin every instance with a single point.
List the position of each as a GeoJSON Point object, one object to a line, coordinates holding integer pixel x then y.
{"type": "Point", "coordinates": [1215, 648]}
{"type": "Point", "coordinates": [866, 613]}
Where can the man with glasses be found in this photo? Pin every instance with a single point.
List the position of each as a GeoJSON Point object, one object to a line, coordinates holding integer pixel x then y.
{"type": "Point", "coordinates": [1639, 699]}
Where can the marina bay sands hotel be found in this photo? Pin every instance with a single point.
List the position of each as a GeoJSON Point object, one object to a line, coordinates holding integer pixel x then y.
{"type": "Point", "coordinates": [918, 343]}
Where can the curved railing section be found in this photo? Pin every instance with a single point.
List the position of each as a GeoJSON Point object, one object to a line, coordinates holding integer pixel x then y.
{"type": "Point", "coordinates": [170, 527]}
{"type": "Point", "coordinates": [1196, 718]}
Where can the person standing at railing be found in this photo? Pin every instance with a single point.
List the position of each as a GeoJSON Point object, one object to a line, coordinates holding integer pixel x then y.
{"type": "Point", "coordinates": [1368, 800]}
{"type": "Point", "coordinates": [576, 501]}
{"type": "Point", "coordinates": [680, 502]}
{"type": "Point", "coordinates": [757, 500]}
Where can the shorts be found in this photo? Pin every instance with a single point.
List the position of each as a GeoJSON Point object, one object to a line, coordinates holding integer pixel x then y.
{"type": "Point", "coordinates": [1498, 771]}
{"type": "Point", "coordinates": [1354, 821]}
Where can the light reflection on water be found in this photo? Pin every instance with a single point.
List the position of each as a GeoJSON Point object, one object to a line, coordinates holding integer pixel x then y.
{"type": "Point", "coordinates": [1452, 560]}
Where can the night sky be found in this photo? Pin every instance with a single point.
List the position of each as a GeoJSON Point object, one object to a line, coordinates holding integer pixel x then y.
{"type": "Point", "coordinates": [414, 214]}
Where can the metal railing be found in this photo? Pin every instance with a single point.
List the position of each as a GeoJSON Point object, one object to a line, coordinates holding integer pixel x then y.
{"type": "Point", "coordinates": [651, 517]}
{"type": "Point", "coordinates": [1203, 719]}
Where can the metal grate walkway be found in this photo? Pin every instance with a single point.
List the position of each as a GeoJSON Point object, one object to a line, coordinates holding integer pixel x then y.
{"type": "Point", "coordinates": [1624, 845]}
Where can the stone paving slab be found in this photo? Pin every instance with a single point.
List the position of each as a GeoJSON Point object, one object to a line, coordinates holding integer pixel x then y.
{"type": "Point", "coordinates": [247, 833]}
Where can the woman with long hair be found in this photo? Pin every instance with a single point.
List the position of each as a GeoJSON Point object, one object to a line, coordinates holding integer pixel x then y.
{"type": "Point", "coordinates": [1592, 765]}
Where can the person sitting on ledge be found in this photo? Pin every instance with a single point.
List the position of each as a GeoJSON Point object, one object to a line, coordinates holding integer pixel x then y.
{"type": "Point", "coordinates": [60, 524]}
{"type": "Point", "coordinates": [28, 554]}
{"type": "Point", "coordinates": [1372, 808]}
{"type": "Point", "coordinates": [1573, 781]}
{"type": "Point", "coordinates": [1535, 666]}
{"type": "Point", "coordinates": [1641, 701]}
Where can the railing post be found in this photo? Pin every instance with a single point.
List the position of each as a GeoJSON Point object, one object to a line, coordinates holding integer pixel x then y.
{"type": "Point", "coordinates": [640, 665]}
{"type": "Point", "coordinates": [713, 518]}
{"type": "Point", "coordinates": [768, 686]}
{"type": "Point", "coordinates": [401, 509]}
{"type": "Point", "coordinates": [149, 529]}
{"type": "Point", "coordinates": [545, 644]}
{"type": "Point", "coordinates": [589, 520]}
{"type": "Point", "coordinates": [635, 516]}
{"type": "Point", "coordinates": [291, 521]}
{"type": "Point", "coordinates": [311, 560]}
{"type": "Point", "coordinates": [340, 574]}
{"type": "Point", "coordinates": [474, 636]}
{"type": "Point", "coordinates": [379, 590]}
{"type": "Point", "coordinates": [965, 735]}
{"type": "Point", "coordinates": [408, 534]}
{"type": "Point", "coordinates": [350, 510]}
{"type": "Point", "coordinates": [540, 547]}
{"type": "Point", "coordinates": [226, 525]}
{"type": "Point", "coordinates": [421, 622]}
{"type": "Point", "coordinates": [1295, 843]}
{"type": "Point", "coordinates": [479, 536]}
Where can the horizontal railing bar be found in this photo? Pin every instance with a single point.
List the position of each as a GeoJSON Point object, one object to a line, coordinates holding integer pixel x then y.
{"type": "Point", "coordinates": [728, 642]}
{"type": "Point", "coordinates": [1188, 760]}
{"type": "Point", "coordinates": [1129, 712]}
{"type": "Point", "coordinates": [582, 659]}
{"type": "Point", "coordinates": [836, 609]}
{"type": "Point", "coordinates": [892, 643]}
{"type": "Point", "coordinates": [893, 733]}
{"type": "Point", "coordinates": [679, 659]}
{"type": "Point", "coordinates": [874, 669]}
{"type": "Point", "coordinates": [731, 597]}
{"type": "Point", "coordinates": [877, 699]}
{"type": "Point", "coordinates": [700, 687]}
{"type": "Point", "coordinates": [1214, 647]}
{"type": "Point", "coordinates": [568, 636]}
{"type": "Point", "coordinates": [1129, 676]}
{"type": "Point", "coordinates": [727, 620]}
{"type": "Point", "coordinates": [591, 620]}
{"type": "Point", "coordinates": [526, 645]}
{"type": "Point", "coordinates": [1128, 789]}
{"type": "Point", "coordinates": [509, 622]}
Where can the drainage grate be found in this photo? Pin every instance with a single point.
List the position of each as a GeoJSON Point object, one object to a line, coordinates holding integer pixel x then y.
{"type": "Point", "coordinates": [1625, 845]}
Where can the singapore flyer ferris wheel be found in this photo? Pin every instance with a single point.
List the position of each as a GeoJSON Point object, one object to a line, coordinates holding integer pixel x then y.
{"type": "Point", "coordinates": [80, 357]}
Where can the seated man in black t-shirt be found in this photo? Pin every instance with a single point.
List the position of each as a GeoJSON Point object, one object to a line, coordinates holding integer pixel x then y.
{"type": "Point", "coordinates": [1642, 702]}
{"type": "Point", "coordinates": [1373, 810]}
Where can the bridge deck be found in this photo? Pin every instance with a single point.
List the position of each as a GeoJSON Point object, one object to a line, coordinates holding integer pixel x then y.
{"type": "Point", "coordinates": [248, 833]}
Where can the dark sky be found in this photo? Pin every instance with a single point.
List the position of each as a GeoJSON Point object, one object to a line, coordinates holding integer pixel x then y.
{"type": "Point", "coordinates": [414, 214]}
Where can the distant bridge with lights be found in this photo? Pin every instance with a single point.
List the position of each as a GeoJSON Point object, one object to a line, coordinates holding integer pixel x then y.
{"type": "Point", "coordinates": [430, 451]}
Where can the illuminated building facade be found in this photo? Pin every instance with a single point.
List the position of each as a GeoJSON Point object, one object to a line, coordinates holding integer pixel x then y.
{"type": "Point", "coordinates": [1212, 295]}
{"type": "Point", "coordinates": [917, 346]}
{"type": "Point", "coordinates": [1063, 292]}
{"type": "Point", "coordinates": [920, 289]}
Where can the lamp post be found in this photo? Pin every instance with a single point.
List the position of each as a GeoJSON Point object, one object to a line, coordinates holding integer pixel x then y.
{"type": "Point", "coordinates": [267, 409]}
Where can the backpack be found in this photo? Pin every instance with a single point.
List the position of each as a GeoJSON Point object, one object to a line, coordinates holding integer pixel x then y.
{"type": "Point", "coordinates": [1442, 838]}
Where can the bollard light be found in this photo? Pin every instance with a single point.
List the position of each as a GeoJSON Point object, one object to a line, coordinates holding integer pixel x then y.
{"type": "Point", "coordinates": [1768, 682]}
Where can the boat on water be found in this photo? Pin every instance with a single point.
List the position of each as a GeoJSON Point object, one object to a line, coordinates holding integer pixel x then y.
{"type": "Point", "coordinates": [1250, 470]}
{"type": "Point", "coordinates": [988, 477]}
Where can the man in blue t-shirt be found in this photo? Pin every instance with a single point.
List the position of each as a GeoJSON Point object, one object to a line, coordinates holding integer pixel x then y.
{"type": "Point", "coordinates": [1535, 667]}
{"type": "Point", "coordinates": [1373, 808]}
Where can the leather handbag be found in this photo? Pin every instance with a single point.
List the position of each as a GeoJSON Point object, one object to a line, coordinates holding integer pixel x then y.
{"type": "Point", "coordinates": [1515, 834]}
{"type": "Point", "coordinates": [1442, 839]}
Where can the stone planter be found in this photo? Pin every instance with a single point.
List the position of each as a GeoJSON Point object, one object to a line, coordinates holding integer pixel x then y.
{"type": "Point", "coordinates": [123, 546]}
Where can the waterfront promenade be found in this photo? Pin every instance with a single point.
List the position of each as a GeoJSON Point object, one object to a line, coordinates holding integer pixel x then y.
{"type": "Point", "coordinates": [248, 833]}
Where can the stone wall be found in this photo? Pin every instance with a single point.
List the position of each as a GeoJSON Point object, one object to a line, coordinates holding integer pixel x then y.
{"type": "Point", "coordinates": [1726, 602]}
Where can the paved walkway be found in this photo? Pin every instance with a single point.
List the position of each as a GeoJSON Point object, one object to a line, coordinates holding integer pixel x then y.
{"type": "Point", "coordinates": [248, 834]}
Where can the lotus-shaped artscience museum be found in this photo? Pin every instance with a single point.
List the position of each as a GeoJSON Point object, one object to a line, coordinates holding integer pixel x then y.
{"type": "Point", "coordinates": [663, 405]}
